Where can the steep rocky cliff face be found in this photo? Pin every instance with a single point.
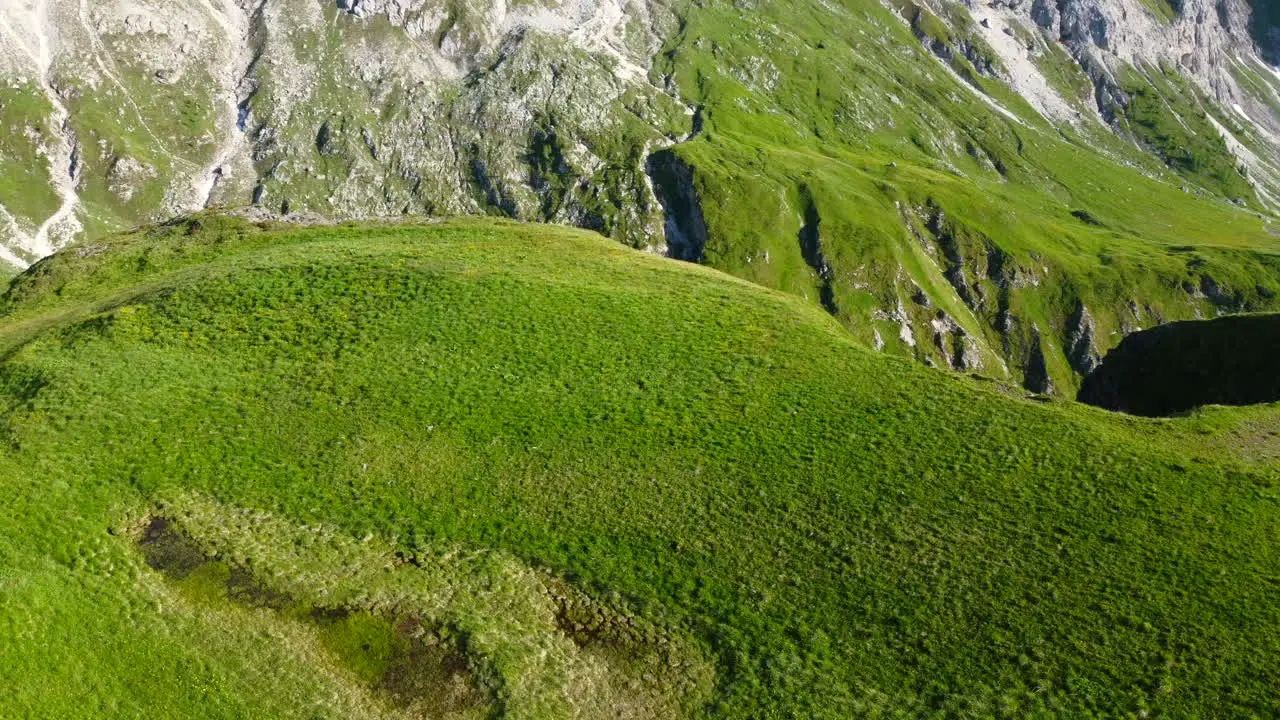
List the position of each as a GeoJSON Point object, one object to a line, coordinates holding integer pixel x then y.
{"type": "Point", "coordinates": [1131, 49]}
{"type": "Point", "coordinates": [998, 186]}
{"type": "Point", "coordinates": [350, 109]}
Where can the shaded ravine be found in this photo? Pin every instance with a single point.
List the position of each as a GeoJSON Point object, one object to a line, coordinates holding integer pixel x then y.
{"type": "Point", "coordinates": [1173, 368]}
{"type": "Point", "coordinates": [671, 180]}
{"type": "Point", "coordinates": [1264, 25]}
{"type": "Point", "coordinates": [684, 226]}
{"type": "Point", "coordinates": [811, 248]}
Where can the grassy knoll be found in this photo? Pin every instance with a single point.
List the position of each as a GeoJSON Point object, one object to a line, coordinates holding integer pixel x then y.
{"type": "Point", "coordinates": [268, 472]}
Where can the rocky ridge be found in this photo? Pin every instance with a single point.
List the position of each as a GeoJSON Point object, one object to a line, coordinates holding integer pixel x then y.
{"type": "Point", "coordinates": [354, 109]}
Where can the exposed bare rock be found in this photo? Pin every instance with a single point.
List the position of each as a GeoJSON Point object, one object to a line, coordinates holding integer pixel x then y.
{"type": "Point", "coordinates": [126, 176]}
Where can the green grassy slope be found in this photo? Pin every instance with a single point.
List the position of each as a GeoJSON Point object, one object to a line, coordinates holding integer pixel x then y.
{"type": "Point", "coordinates": [858, 153]}
{"type": "Point", "coordinates": [24, 178]}
{"type": "Point", "coordinates": [361, 432]}
{"type": "Point", "coordinates": [1007, 224]}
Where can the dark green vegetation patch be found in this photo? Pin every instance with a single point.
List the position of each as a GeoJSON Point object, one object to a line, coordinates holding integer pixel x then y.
{"type": "Point", "coordinates": [819, 531]}
{"type": "Point", "coordinates": [441, 632]}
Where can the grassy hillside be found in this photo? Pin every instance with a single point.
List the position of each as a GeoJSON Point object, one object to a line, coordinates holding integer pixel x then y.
{"type": "Point", "coordinates": [943, 200]}
{"type": "Point", "coordinates": [873, 157]}
{"type": "Point", "coordinates": [483, 468]}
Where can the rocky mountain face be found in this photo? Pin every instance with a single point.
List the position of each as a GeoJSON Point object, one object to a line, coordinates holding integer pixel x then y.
{"type": "Point", "coordinates": [1207, 42]}
{"type": "Point", "coordinates": [350, 109]}
{"type": "Point", "coordinates": [996, 186]}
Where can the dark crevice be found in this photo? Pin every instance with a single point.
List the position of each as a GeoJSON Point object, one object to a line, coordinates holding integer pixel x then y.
{"type": "Point", "coordinates": [1264, 26]}
{"type": "Point", "coordinates": [1230, 301]}
{"type": "Point", "coordinates": [1086, 217]}
{"type": "Point", "coordinates": [1174, 368]}
{"type": "Point", "coordinates": [549, 172]}
{"type": "Point", "coordinates": [493, 194]}
{"type": "Point", "coordinates": [811, 249]}
{"type": "Point", "coordinates": [684, 226]}
{"type": "Point", "coordinates": [949, 244]}
{"type": "Point", "coordinates": [1035, 375]}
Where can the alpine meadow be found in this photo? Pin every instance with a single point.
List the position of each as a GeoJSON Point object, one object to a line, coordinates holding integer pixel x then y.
{"type": "Point", "coordinates": [639, 359]}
